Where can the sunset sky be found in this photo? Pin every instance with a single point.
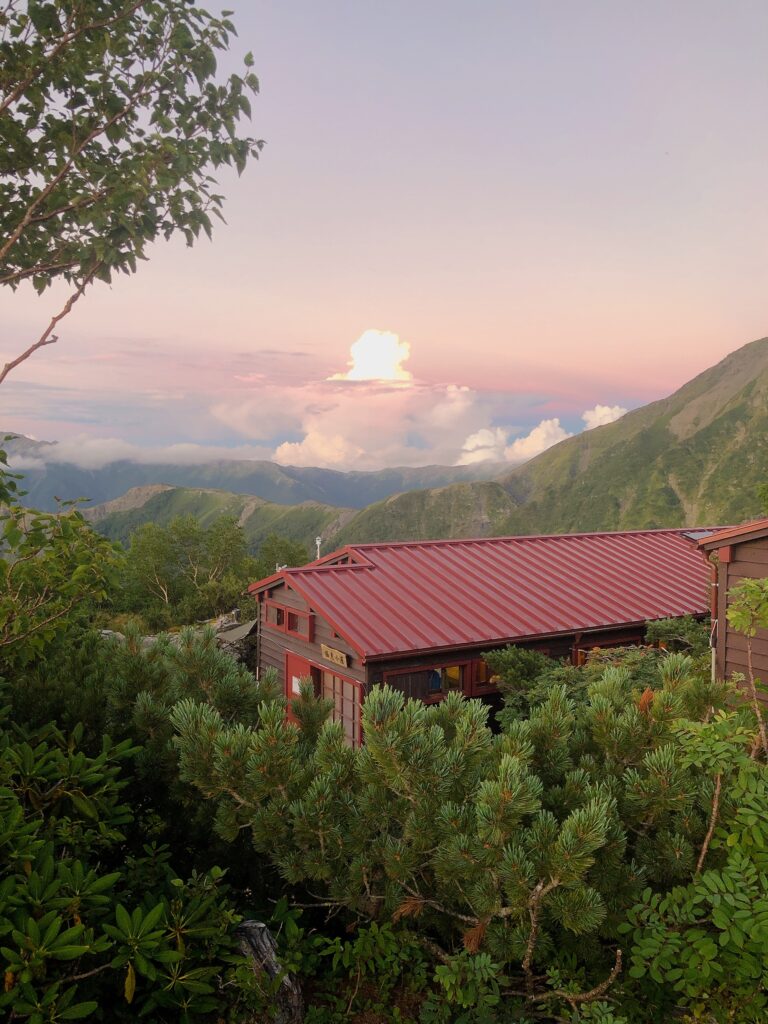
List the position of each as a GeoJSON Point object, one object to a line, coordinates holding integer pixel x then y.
{"type": "Point", "coordinates": [525, 217]}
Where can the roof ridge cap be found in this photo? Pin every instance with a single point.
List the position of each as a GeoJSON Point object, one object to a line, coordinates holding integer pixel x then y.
{"type": "Point", "coordinates": [439, 541]}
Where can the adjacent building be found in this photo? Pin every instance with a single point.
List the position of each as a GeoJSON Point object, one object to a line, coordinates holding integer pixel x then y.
{"type": "Point", "coordinates": [740, 552]}
{"type": "Point", "coordinates": [420, 615]}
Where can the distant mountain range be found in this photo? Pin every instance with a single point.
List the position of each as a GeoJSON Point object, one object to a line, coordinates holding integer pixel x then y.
{"type": "Point", "coordinates": [694, 458]}
{"type": "Point", "coordinates": [47, 479]}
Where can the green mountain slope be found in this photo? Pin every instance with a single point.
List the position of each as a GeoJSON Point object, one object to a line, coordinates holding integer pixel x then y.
{"type": "Point", "coordinates": [462, 510]}
{"type": "Point", "coordinates": [159, 504]}
{"type": "Point", "coordinates": [696, 457]}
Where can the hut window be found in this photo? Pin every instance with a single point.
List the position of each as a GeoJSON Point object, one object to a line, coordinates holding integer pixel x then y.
{"type": "Point", "coordinates": [298, 624]}
{"type": "Point", "coordinates": [427, 683]}
{"type": "Point", "coordinates": [275, 615]}
{"type": "Point", "coordinates": [451, 678]}
{"type": "Point", "coordinates": [289, 620]}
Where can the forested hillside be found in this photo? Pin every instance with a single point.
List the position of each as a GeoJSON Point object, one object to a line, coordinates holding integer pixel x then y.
{"type": "Point", "coordinates": [258, 518]}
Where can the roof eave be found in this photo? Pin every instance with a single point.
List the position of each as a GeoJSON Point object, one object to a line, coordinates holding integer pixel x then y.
{"type": "Point", "coordinates": [747, 531]}
{"type": "Point", "coordinates": [518, 639]}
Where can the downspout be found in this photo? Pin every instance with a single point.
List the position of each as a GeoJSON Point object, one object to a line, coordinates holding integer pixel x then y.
{"type": "Point", "coordinates": [713, 610]}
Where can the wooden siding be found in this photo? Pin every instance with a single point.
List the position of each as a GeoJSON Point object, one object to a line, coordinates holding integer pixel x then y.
{"type": "Point", "coordinates": [749, 560]}
{"type": "Point", "coordinates": [273, 643]}
{"type": "Point", "coordinates": [554, 647]}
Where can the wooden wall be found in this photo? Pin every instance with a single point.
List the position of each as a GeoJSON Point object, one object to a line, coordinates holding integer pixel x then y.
{"type": "Point", "coordinates": [273, 643]}
{"type": "Point", "coordinates": [748, 560]}
{"type": "Point", "coordinates": [555, 647]}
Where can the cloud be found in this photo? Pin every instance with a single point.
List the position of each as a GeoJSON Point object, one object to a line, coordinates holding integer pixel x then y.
{"type": "Point", "coordinates": [377, 355]}
{"type": "Point", "coordinates": [602, 414]}
{"type": "Point", "coordinates": [96, 452]}
{"type": "Point", "coordinates": [493, 443]}
{"type": "Point", "coordinates": [484, 445]}
{"type": "Point", "coordinates": [368, 425]}
{"type": "Point", "coordinates": [543, 436]}
{"type": "Point", "coordinates": [319, 449]}
{"type": "Point", "coordinates": [371, 416]}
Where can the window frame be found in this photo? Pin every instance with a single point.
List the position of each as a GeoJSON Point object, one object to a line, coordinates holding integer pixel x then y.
{"type": "Point", "coordinates": [465, 665]}
{"type": "Point", "coordinates": [306, 616]}
{"type": "Point", "coordinates": [476, 686]}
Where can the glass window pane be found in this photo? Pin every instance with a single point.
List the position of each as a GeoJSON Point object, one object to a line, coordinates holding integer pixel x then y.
{"type": "Point", "coordinates": [451, 677]}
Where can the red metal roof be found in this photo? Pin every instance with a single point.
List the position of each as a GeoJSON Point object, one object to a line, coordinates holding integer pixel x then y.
{"type": "Point", "coordinates": [416, 596]}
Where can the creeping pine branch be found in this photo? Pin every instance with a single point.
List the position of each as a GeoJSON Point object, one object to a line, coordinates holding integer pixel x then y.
{"type": "Point", "coordinates": [541, 890]}
{"type": "Point", "coordinates": [574, 998]}
{"type": "Point", "coordinates": [48, 337]}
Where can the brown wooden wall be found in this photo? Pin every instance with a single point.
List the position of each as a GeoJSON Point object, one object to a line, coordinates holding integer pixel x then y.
{"type": "Point", "coordinates": [387, 669]}
{"type": "Point", "coordinates": [748, 560]}
{"type": "Point", "coordinates": [273, 644]}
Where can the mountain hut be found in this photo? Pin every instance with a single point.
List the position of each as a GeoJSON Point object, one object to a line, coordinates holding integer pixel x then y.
{"type": "Point", "coordinates": [419, 615]}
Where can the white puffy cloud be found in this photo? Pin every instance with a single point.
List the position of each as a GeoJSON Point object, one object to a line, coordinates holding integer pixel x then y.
{"type": "Point", "coordinates": [484, 445]}
{"type": "Point", "coordinates": [319, 449]}
{"type": "Point", "coordinates": [493, 443]}
{"type": "Point", "coordinates": [371, 416]}
{"type": "Point", "coordinates": [602, 414]}
{"type": "Point", "coordinates": [368, 426]}
{"type": "Point", "coordinates": [377, 355]}
{"type": "Point", "coordinates": [543, 436]}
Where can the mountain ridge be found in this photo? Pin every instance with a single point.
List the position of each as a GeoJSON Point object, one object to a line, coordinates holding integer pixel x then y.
{"type": "Point", "coordinates": [45, 479]}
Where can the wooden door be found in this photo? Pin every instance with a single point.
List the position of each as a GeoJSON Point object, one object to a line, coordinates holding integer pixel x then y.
{"type": "Point", "coordinates": [346, 695]}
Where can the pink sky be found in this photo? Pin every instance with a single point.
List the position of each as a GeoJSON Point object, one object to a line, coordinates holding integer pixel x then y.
{"type": "Point", "coordinates": [556, 206]}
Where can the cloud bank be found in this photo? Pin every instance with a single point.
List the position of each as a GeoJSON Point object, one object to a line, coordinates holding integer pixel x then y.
{"type": "Point", "coordinates": [373, 415]}
{"type": "Point", "coordinates": [495, 444]}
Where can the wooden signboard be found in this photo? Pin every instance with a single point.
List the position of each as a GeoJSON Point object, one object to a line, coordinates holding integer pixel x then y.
{"type": "Point", "coordinates": [331, 654]}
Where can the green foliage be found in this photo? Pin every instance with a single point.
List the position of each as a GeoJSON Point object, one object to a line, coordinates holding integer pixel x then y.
{"type": "Point", "coordinates": [707, 941]}
{"type": "Point", "coordinates": [278, 551]}
{"type": "Point", "coordinates": [471, 981]}
{"type": "Point", "coordinates": [748, 613]}
{"type": "Point", "coordinates": [516, 843]}
{"type": "Point", "coordinates": [476, 876]}
{"type": "Point", "coordinates": [748, 606]}
{"type": "Point", "coordinates": [186, 572]}
{"type": "Point", "coordinates": [127, 688]}
{"type": "Point", "coordinates": [113, 117]}
{"type": "Point", "coordinates": [517, 669]}
{"type": "Point", "coordinates": [684, 634]}
{"type": "Point", "coordinates": [85, 931]}
{"type": "Point", "coordinates": [53, 570]}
